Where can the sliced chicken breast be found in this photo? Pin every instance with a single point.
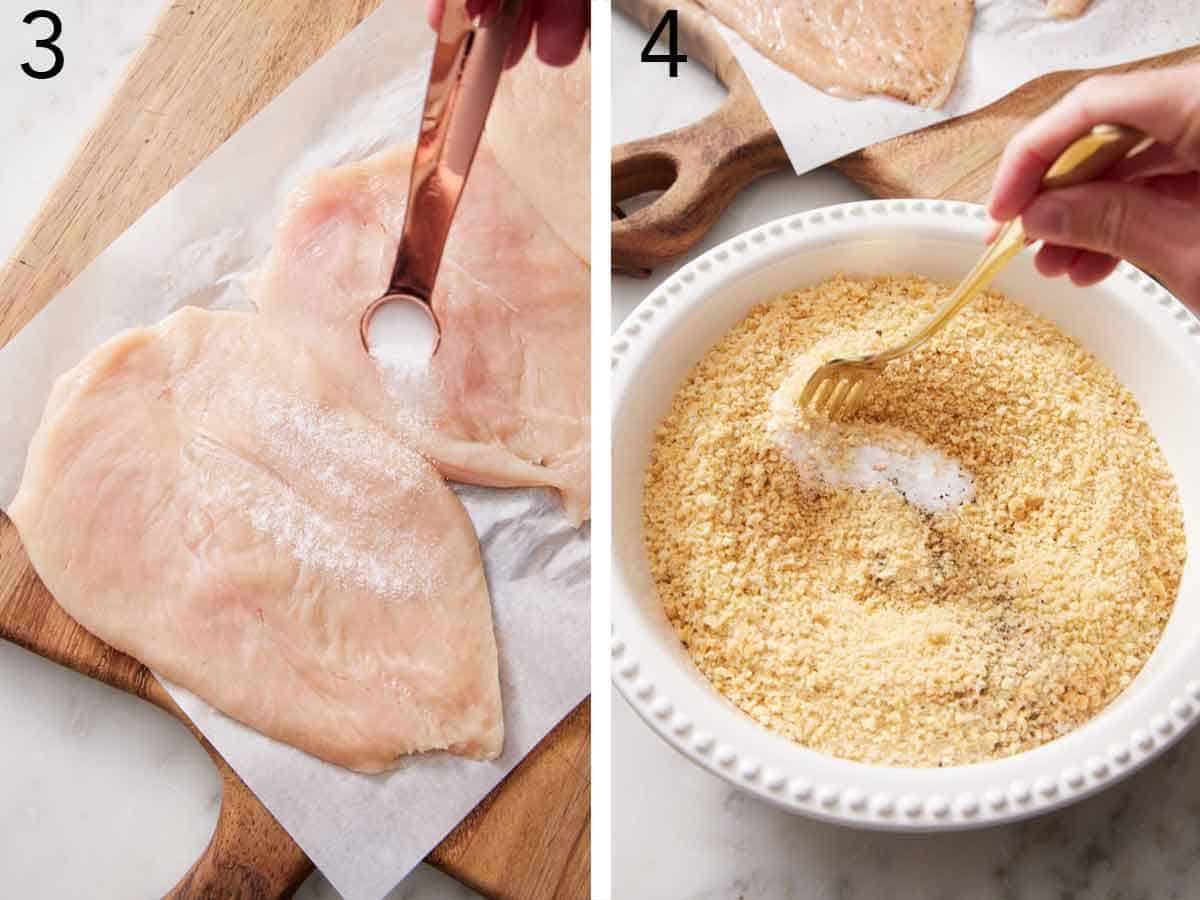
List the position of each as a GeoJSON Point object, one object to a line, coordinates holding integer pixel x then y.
{"type": "Point", "coordinates": [910, 51]}
{"type": "Point", "coordinates": [540, 123]}
{"type": "Point", "coordinates": [204, 496]}
{"type": "Point", "coordinates": [506, 399]}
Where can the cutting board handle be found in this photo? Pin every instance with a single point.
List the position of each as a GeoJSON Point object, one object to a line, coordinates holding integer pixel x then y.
{"type": "Point", "coordinates": [250, 856]}
{"type": "Point", "coordinates": [700, 168]}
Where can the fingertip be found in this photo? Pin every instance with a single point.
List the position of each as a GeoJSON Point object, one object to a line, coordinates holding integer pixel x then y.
{"type": "Point", "coordinates": [1030, 152]}
{"type": "Point", "coordinates": [1006, 202]}
{"type": "Point", "coordinates": [1016, 182]}
{"type": "Point", "coordinates": [557, 55]}
{"type": "Point", "coordinates": [561, 30]}
{"type": "Point", "coordinates": [555, 51]}
{"type": "Point", "coordinates": [997, 200]}
{"type": "Point", "coordinates": [1053, 260]}
{"type": "Point", "coordinates": [1090, 268]}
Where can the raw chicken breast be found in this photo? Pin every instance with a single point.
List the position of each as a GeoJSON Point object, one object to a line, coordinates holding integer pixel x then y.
{"type": "Point", "coordinates": [506, 400]}
{"type": "Point", "coordinates": [910, 51]}
{"type": "Point", "coordinates": [202, 496]}
{"type": "Point", "coordinates": [540, 122]}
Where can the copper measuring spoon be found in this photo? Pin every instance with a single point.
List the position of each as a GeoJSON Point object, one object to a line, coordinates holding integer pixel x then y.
{"type": "Point", "coordinates": [467, 64]}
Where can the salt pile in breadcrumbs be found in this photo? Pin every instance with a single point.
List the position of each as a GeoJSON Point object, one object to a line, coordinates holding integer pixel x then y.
{"type": "Point", "coordinates": [863, 626]}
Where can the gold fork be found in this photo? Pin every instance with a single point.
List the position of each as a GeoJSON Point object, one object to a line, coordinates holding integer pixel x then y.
{"type": "Point", "coordinates": [838, 388]}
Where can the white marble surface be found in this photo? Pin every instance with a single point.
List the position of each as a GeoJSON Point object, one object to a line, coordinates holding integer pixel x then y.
{"type": "Point", "coordinates": [101, 795]}
{"type": "Point", "coordinates": [683, 834]}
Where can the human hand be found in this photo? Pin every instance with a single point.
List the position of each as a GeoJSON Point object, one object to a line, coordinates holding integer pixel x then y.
{"type": "Point", "coordinates": [561, 26]}
{"type": "Point", "coordinates": [1146, 209]}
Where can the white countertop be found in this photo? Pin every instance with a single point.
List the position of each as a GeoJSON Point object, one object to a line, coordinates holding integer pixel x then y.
{"type": "Point", "coordinates": [679, 832]}
{"type": "Point", "coordinates": [102, 796]}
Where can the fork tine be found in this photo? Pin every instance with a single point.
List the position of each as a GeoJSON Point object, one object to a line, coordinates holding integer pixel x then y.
{"type": "Point", "coordinates": [837, 396]}
{"type": "Point", "coordinates": [820, 393]}
{"type": "Point", "coordinates": [816, 381]}
{"type": "Point", "coordinates": [810, 388]}
{"type": "Point", "coordinates": [854, 396]}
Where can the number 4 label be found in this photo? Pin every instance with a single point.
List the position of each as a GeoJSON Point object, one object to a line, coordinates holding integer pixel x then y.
{"type": "Point", "coordinates": [670, 22]}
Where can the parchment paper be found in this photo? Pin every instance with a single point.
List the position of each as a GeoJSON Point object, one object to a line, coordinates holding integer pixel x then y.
{"type": "Point", "coordinates": [1012, 42]}
{"type": "Point", "coordinates": [195, 247]}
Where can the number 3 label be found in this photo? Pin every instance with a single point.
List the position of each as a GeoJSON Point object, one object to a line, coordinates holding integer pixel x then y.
{"type": "Point", "coordinates": [46, 43]}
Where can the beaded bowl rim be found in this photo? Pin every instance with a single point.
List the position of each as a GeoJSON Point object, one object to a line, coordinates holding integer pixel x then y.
{"type": "Point", "coordinates": [711, 732]}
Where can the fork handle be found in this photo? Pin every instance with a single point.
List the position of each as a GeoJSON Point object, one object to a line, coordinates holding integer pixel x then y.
{"type": "Point", "coordinates": [1087, 158]}
{"type": "Point", "coordinates": [1008, 243]}
{"type": "Point", "coordinates": [1092, 155]}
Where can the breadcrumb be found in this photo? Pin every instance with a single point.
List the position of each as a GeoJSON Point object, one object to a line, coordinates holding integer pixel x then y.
{"type": "Point", "coordinates": [860, 625]}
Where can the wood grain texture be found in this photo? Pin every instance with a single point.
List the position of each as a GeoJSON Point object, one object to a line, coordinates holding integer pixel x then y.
{"type": "Point", "coordinates": [250, 856]}
{"type": "Point", "coordinates": [954, 160]}
{"type": "Point", "coordinates": [957, 159]}
{"type": "Point", "coordinates": [203, 71]}
{"type": "Point", "coordinates": [541, 811]}
{"type": "Point", "coordinates": [699, 168]}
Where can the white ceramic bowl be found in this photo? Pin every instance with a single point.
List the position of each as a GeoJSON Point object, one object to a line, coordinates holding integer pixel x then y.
{"type": "Point", "coordinates": [1134, 326]}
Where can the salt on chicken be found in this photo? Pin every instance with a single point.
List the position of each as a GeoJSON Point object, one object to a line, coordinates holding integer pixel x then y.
{"type": "Point", "coordinates": [202, 496]}
{"type": "Point", "coordinates": [506, 399]}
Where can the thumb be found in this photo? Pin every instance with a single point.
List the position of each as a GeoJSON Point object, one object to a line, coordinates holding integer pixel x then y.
{"type": "Point", "coordinates": [1154, 232]}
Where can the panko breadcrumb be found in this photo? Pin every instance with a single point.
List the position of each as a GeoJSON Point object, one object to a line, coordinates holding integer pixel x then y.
{"type": "Point", "coordinates": [859, 625]}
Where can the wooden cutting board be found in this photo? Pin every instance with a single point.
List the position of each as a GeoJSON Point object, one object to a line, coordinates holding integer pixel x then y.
{"type": "Point", "coordinates": [205, 69]}
{"type": "Point", "coordinates": [702, 167]}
